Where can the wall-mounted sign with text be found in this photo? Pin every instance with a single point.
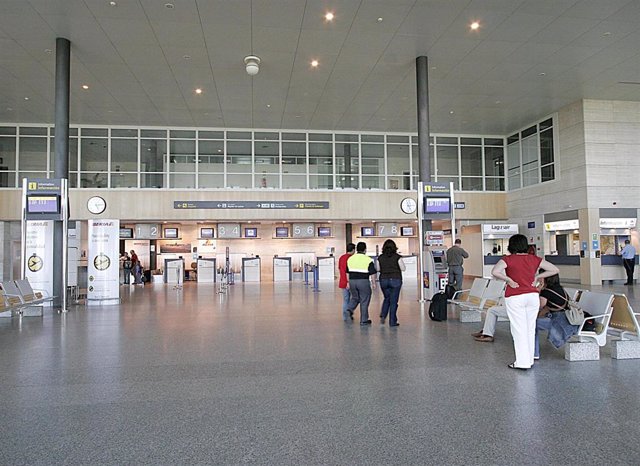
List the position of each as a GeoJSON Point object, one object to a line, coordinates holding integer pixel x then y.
{"type": "Point", "coordinates": [618, 222]}
{"type": "Point", "coordinates": [562, 225]}
{"type": "Point", "coordinates": [500, 229]}
{"type": "Point", "coordinates": [236, 205]}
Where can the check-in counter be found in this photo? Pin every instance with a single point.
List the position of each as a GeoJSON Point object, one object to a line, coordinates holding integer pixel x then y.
{"type": "Point", "coordinates": [282, 269]}
{"type": "Point", "coordinates": [410, 274]}
{"type": "Point", "coordinates": [206, 270]}
{"type": "Point", "coordinates": [250, 269]}
{"type": "Point", "coordinates": [174, 271]}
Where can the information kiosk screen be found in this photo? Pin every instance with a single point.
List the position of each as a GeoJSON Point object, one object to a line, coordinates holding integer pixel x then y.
{"type": "Point", "coordinates": [324, 231]}
{"type": "Point", "coordinates": [43, 204]}
{"type": "Point", "coordinates": [251, 232]}
{"type": "Point", "coordinates": [126, 233]}
{"type": "Point", "coordinates": [282, 232]}
{"type": "Point", "coordinates": [437, 205]}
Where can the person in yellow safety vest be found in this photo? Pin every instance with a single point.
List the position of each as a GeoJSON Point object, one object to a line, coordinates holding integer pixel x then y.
{"type": "Point", "coordinates": [360, 268]}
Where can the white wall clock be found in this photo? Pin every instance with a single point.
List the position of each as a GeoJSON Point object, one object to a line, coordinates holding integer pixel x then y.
{"type": "Point", "coordinates": [408, 205]}
{"type": "Point", "coordinates": [96, 205]}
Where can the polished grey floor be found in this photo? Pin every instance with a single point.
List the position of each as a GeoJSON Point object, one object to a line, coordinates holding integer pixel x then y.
{"type": "Point", "coordinates": [269, 374]}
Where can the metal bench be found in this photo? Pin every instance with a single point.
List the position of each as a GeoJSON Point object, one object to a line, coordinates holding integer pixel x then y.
{"type": "Point", "coordinates": [19, 298]}
{"type": "Point", "coordinates": [469, 301]}
{"type": "Point", "coordinates": [584, 346]}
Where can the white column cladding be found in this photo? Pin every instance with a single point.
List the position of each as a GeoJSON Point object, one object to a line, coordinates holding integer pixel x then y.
{"type": "Point", "coordinates": [39, 255]}
{"type": "Point", "coordinates": [103, 282]}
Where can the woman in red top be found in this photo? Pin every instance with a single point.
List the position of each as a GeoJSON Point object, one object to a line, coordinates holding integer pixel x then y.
{"type": "Point", "coordinates": [520, 270]}
{"type": "Point", "coordinates": [344, 281]}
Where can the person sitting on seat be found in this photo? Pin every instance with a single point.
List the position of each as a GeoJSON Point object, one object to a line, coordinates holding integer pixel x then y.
{"type": "Point", "coordinates": [486, 335]}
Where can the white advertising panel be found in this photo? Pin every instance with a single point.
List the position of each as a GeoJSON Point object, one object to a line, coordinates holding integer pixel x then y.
{"type": "Point", "coordinates": [103, 281]}
{"type": "Point", "coordinates": [281, 270]}
{"type": "Point", "coordinates": [39, 255]}
{"type": "Point", "coordinates": [326, 268]}
{"type": "Point", "coordinates": [206, 270]}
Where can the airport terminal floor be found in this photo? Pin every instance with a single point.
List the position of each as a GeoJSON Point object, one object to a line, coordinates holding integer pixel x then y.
{"type": "Point", "coordinates": [270, 374]}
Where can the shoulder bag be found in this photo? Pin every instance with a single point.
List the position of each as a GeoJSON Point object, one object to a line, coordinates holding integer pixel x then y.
{"type": "Point", "coordinates": [573, 311]}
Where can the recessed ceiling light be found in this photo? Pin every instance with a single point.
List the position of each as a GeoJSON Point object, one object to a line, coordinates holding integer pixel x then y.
{"type": "Point", "coordinates": [329, 16]}
{"type": "Point", "coordinates": [606, 34]}
{"type": "Point", "coordinates": [198, 91]}
{"type": "Point", "coordinates": [26, 98]}
{"type": "Point", "coordinates": [475, 25]}
{"type": "Point", "coordinates": [451, 112]}
{"type": "Point", "coordinates": [48, 51]}
{"type": "Point", "coordinates": [380, 18]}
{"type": "Point", "coordinates": [297, 116]}
{"type": "Point", "coordinates": [171, 6]}
{"type": "Point", "coordinates": [542, 74]}
{"type": "Point", "coordinates": [186, 57]}
{"type": "Point", "coordinates": [314, 63]}
{"type": "Point", "coordinates": [268, 105]}
{"type": "Point", "coordinates": [113, 3]}
{"type": "Point", "coordinates": [85, 87]}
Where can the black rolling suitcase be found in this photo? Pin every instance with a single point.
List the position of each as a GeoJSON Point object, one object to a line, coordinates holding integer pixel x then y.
{"type": "Point", "coordinates": [438, 307]}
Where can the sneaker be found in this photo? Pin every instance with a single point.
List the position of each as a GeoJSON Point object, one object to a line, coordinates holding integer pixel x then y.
{"type": "Point", "coordinates": [366, 322]}
{"type": "Point", "coordinates": [351, 314]}
{"type": "Point", "coordinates": [397, 324]}
{"type": "Point", "coordinates": [536, 357]}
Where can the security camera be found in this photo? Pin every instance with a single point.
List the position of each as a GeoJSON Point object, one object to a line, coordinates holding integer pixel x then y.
{"type": "Point", "coordinates": [252, 65]}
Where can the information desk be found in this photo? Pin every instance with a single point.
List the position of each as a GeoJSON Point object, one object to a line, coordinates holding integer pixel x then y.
{"type": "Point", "coordinates": [250, 269]}
{"type": "Point", "coordinates": [282, 271]}
{"type": "Point", "coordinates": [612, 268]}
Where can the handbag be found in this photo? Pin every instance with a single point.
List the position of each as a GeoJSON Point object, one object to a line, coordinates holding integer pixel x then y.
{"type": "Point", "coordinates": [572, 310]}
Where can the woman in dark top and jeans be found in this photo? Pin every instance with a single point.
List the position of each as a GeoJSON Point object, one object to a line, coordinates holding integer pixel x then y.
{"type": "Point", "coordinates": [554, 300]}
{"type": "Point", "coordinates": [390, 266]}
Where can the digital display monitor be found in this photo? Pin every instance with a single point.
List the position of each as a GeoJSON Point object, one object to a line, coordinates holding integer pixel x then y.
{"type": "Point", "coordinates": [282, 232]}
{"type": "Point", "coordinates": [126, 233]}
{"type": "Point", "coordinates": [367, 231]}
{"type": "Point", "coordinates": [437, 259]}
{"type": "Point", "coordinates": [206, 233]}
{"type": "Point", "coordinates": [43, 204]}
{"type": "Point", "coordinates": [171, 233]}
{"type": "Point", "coordinates": [324, 231]}
{"type": "Point", "coordinates": [437, 205]}
{"type": "Point", "coordinates": [251, 232]}
{"type": "Point", "coordinates": [406, 231]}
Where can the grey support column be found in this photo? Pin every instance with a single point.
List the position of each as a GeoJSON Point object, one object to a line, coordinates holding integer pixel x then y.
{"type": "Point", "coordinates": [61, 166]}
{"type": "Point", "coordinates": [422, 87]}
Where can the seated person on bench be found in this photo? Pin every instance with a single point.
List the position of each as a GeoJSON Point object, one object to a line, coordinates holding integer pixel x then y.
{"type": "Point", "coordinates": [486, 334]}
{"type": "Point", "coordinates": [554, 300]}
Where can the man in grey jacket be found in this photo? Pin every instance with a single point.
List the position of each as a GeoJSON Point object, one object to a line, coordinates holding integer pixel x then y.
{"type": "Point", "coordinates": [455, 257]}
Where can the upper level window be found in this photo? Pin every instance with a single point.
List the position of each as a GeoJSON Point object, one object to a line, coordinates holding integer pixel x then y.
{"type": "Point", "coordinates": [530, 155]}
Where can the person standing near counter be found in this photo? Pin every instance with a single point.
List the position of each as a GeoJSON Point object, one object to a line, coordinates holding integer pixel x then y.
{"type": "Point", "coordinates": [628, 254]}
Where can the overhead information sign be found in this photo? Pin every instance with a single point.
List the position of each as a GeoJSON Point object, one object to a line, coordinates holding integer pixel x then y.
{"type": "Point", "coordinates": [236, 205]}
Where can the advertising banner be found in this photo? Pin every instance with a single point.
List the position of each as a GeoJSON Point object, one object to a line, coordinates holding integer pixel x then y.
{"type": "Point", "coordinates": [103, 281]}
{"type": "Point", "coordinates": [39, 254]}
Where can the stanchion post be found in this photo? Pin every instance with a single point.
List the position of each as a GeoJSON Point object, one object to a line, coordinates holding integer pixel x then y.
{"type": "Point", "coordinates": [316, 286]}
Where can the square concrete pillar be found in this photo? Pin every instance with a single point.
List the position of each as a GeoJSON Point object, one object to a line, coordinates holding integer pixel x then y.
{"type": "Point", "coordinates": [625, 349]}
{"type": "Point", "coordinates": [581, 351]}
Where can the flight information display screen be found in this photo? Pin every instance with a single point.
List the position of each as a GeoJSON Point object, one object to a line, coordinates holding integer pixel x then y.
{"type": "Point", "coordinates": [43, 204]}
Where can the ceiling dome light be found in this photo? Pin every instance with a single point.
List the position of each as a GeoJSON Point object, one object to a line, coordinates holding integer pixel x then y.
{"type": "Point", "coordinates": [314, 63]}
{"type": "Point", "coordinates": [85, 87]}
{"type": "Point", "coordinates": [113, 3]}
{"type": "Point", "coordinates": [329, 16]}
{"type": "Point", "coordinates": [475, 25]}
{"type": "Point", "coordinates": [252, 64]}
{"type": "Point", "coordinates": [170, 6]}
{"type": "Point", "coordinates": [380, 18]}
{"type": "Point", "coordinates": [198, 91]}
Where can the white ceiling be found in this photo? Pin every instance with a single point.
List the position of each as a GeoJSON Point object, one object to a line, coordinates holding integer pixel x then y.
{"type": "Point", "coordinates": [529, 58]}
